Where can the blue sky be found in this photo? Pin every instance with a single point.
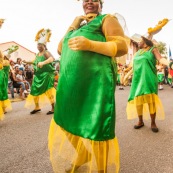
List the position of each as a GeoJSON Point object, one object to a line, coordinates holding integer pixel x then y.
{"type": "Point", "coordinates": [25, 17]}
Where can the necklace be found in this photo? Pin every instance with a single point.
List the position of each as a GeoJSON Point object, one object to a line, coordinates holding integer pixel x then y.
{"type": "Point", "coordinates": [142, 51]}
{"type": "Point", "coordinates": [90, 16]}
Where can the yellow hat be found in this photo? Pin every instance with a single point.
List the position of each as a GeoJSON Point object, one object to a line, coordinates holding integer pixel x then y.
{"type": "Point", "coordinates": [1, 22]}
{"type": "Point", "coordinates": [158, 27]}
{"type": "Point", "coordinates": [10, 50]}
{"type": "Point", "coordinates": [151, 31]}
{"type": "Point", "coordinates": [43, 36]}
{"type": "Point", "coordinates": [136, 38]}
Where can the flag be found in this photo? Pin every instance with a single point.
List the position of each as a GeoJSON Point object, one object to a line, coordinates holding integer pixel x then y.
{"type": "Point", "coordinates": [170, 55]}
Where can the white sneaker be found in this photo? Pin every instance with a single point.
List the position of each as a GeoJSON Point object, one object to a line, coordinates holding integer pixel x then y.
{"type": "Point", "coordinates": [29, 90]}
{"type": "Point", "coordinates": [25, 92]}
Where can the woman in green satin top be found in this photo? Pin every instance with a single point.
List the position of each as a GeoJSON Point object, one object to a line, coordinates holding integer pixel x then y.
{"type": "Point", "coordinates": [143, 99]}
{"type": "Point", "coordinates": [4, 72]}
{"type": "Point", "coordinates": [85, 105]}
{"type": "Point", "coordinates": [43, 81]}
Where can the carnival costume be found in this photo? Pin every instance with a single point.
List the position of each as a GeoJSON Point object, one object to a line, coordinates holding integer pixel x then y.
{"type": "Point", "coordinates": [118, 74]}
{"type": "Point", "coordinates": [160, 76]}
{"type": "Point", "coordinates": [84, 118]}
{"type": "Point", "coordinates": [4, 72]}
{"type": "Point", "coordinates": [43, 82]}
{"type": "Point", "coordinates": [144, 88]}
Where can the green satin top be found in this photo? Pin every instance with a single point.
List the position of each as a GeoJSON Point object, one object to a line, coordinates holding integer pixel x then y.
{"type": "Point", "coordinates": [85, 104]}
{"type": "Point", "coordinates": [43, 77]}
{"type": "Point", "coordinates": [4, 83]}
{"type": "Point", "coordinates": [144, 79]}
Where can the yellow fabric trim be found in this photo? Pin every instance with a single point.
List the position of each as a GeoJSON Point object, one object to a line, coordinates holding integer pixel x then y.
{"type": "Point", "coordinates": [4, 105]}
{"type": "Point", "coordinates": [1, 113]}
{"type": "Point", "coordinates": [97, 155]}
{"type": "Point", "coordinates": [6, 63]}
{"type": "Point", "coordinates": [145, 105]}
{"type": "Point", "coordinates": [1, 66]}
{"type": "Point", "coordinates": [43, 99]}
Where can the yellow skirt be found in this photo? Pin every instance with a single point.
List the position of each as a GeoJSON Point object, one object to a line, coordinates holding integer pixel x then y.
{"type": "Point", "coordinates": [4, 105]}
{"type": "Point", "coordinates": [145, 105]}
{"type": "Point", "coordinates": [43, 99]}
{"type": "Point", "coordinates": [93, 156]}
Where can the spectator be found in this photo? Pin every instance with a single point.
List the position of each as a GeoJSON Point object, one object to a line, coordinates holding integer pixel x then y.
{"type": "Point", "coordinates": [16, 82]}
{"type": "Point", "coordinates": [20, 77]}
{"type": "Point", "coordinates": [21, 65]}
{"type": "Point", "coordinates": [28, 74]}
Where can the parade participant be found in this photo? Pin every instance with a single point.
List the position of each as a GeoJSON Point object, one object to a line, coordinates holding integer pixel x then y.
{"type": "Point", "coordinates": [143, 98]}
{"type": "Point", "coordinates": [85, 107]}
{"type": "Point", "coordinates": [170, 78]}
{"type": "Point", "coordinates": [118, 74]}
{"type": "Point", "coordinates": [43, 81]}
{"type": "Point", "coordinates": [160, 75]}
{"type": "Point", "coordinates": [1, 22]}
{"type": "Point", "coordinates": [121, 75]}
{"type": "Point", "coordinates": [4, 72]}
{"type": "Point", "coordinates": [128, 74]}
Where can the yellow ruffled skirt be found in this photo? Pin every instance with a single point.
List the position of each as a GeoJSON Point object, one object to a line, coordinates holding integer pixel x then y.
{"type": "Point", "coordinates": [145, 105]}
{"type": "Point", "coordinates": [43, 99]}
{"type": "Point", "coordinates": [5, 105]}
{"type": "Point", "coordinates": [91, 156]}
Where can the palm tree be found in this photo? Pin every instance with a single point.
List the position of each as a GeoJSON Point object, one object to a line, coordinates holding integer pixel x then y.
{"type": "Point", "coordinates": [162, 49]}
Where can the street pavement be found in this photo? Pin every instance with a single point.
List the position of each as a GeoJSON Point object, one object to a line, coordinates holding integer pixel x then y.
{"type": "Point", "coordinates": [23, 140]}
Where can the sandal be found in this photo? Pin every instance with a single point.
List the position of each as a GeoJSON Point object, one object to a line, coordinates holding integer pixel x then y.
{"type": "Point", "coordinates": [50, 112]}
{"type": "Point", "coordinates": [155, 129]}
{"type": "Point", "coordinates": [35, 111]}
{"type": "Point", "coordinates": [138, 126]}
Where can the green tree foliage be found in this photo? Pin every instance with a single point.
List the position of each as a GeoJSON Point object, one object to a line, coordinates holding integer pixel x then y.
{"type": "Point", "coordinates": [162, 49]}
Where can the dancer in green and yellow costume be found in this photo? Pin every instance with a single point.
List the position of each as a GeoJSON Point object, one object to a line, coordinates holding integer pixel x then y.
{"type": "Point", "coordinates": [4, 71]}
{"type": "Point", "coordinates": [43, 81]}
{"type": "Point", "coordinates": [143, 99]}
{"type": "Point", "coordinates": [160, 75]}
{"type": "Point", "coordinates": [83, 127]}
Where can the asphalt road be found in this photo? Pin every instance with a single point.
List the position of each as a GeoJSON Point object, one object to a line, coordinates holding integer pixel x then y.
{"type": "Point", "coordinates": [23, 140]}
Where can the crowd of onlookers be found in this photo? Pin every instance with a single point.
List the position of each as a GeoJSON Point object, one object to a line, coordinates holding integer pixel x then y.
{"type": "Point", "coordinates": [21, 75]}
